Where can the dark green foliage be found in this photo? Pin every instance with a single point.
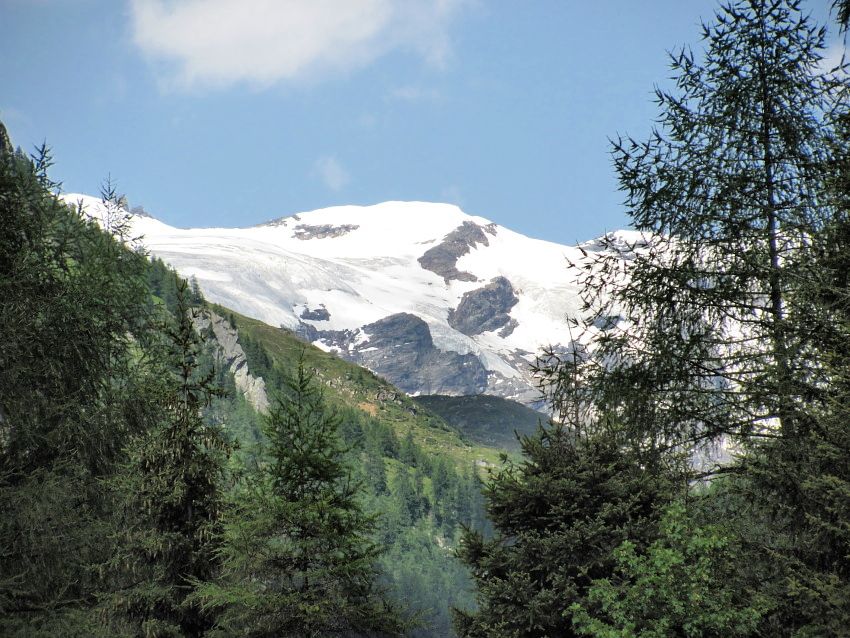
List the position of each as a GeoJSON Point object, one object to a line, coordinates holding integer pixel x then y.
{"type": "Point", "coordinates": [163, 282]}
{"type": "Point", "coordinates": [426, 578]}
{"type": "Point", "coordinates": [688, 582]}
{"type": "Point", "coordinates": [418, 568]}
{"type": "Point", "coordinates": [297, 559]}
{"type": "Point", "coordinates": [801, 485]}
{"type": "Point", "coordinates": [196, 297]}
{"type": "Point", "coordinates": [172, 486]}
{"type": "Point", "coordinates": [70, 297]}
{"type": "Point", "coordinates": [735, 327]}
{"type": "Point", "coordinates": [731, 193]}
{"type": "Point", "coordinates": [260, 363]}
{"type": "Point", "coordinates": [559, 516]}
{"type": "Point", "coordinates": [112, 456]}
{"type": "Point", "coordinates": [486, 419]}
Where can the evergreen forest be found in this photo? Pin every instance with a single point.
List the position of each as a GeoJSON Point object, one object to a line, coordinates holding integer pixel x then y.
{"type": "Point", "coordinates": [170, 468]}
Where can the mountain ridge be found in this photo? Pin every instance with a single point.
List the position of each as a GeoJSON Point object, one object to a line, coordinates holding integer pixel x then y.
{"type": "Point", "coordinates": [435, 300]}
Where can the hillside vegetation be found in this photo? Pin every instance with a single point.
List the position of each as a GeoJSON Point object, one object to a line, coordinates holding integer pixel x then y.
{"type": "Point", "coordinates": [141, 489]}
{"type": "Point", "coordinates": [151, 485]}
{"type": "Point", "coordinates": [354, 386]}
{"type": "Point", "coordinates": [485, 419]}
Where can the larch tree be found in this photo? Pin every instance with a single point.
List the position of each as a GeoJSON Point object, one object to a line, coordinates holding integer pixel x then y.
{"type": "Point", "coordinates": [71, 296]}
{"type": "Point", "coordinates": [705, 333]}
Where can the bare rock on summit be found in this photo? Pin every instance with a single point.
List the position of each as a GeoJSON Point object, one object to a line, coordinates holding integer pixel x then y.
{"type": "Point", "coordinates": [485, 309]}
{"type": "Point", "coordinates": [442, 258]}
{"type": "Point", "coordinates": [322, 231]}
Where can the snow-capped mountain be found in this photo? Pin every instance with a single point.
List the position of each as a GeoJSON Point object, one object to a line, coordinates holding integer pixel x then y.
{"type": "Point", "coordinates": [433, 299]}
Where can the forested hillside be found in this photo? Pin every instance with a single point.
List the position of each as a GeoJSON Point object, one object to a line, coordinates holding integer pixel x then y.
{"type": "Point", "coordinates": [420, 478]}
{"type": "Point", "coordinates": [486, 419]}
{"type": "Point", "coordinates": [140, 484]}
{"type": "Point", "coordinates": [170, 468]}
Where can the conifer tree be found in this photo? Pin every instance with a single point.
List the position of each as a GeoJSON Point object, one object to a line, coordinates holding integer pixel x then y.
{"type": "Point", "coordinates": [558, 516]}
{"type": "Point", "coordinates": [729, 319]}
{"type": "Point", "coordinates": [842, 10]}
{"type": "Point", "coordinates": [172, 486]}
{"type": "Point", "coordinates": [802, 487]}
{"type": "Point", "coordinates": [711, 335]}
{"type": "Point", "coordinates": [297, 558]}
{"type": "Point", "coordinates": [70, 296]}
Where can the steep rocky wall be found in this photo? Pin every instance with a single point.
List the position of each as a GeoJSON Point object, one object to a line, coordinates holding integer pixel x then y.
{"type": "Point", "coordinates": [485, 309]}
{"type": "Point", "coordinates": [231, 355]}
{"type": "Point", "coordinates": [442, 258]}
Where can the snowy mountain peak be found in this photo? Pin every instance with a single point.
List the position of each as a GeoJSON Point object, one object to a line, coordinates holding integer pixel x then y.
{"type": "Point", "coordinates": [435, 300]}
{"type": "Point", "coordinates": [392, 212]}
{"type": "Point", "coordinates": [394, 222]}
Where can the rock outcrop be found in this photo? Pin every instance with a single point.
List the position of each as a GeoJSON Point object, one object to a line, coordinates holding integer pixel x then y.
{"type": "Point", "coordinates": [401, 349]}
{"type": "Point", "coordinates": [230, 354]}
{"type": "Point", "coordinates": [315, 314]}
{"type": "Point", "coordinates": [485, 309]}
{"type": "Point", "coordinates": [442, 258]}
{"type": "Point", "coordinates": [323, 231]}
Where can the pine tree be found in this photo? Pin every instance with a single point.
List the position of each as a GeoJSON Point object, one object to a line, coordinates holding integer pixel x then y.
{"type": "Point", "coordinates": [375, 471]}
{"type": "Point", "coordinates": [72, 296]}
{"type": "Point", "coordinates": [842, 10]}
{"type": "Point", "coordinates": [558, 515]}
{"type": "Point", "coordinates": [728, 321]}
{"type": "Point", "coordinates": [172, 488]}
{"type": "Point", "coordinates": [729, 192]}
{"type": "Point", "coordinates": [297, 557]}
{"type": "Point", "coordinates": [802, 487]}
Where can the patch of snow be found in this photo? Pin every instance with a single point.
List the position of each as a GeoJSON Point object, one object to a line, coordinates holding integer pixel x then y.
{"type": "Point", "coordinates": [372, 271]}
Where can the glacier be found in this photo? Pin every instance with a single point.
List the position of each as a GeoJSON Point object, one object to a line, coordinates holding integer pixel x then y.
{"type": "Point", "coordinates": [343, 277]}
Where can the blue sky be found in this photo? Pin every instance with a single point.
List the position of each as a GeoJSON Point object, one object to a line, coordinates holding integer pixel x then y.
{"type": "Point", "coordinates": [232, 112]}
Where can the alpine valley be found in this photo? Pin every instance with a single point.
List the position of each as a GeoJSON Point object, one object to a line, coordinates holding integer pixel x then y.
{"type": "Point", "coordinates": [432, 299]}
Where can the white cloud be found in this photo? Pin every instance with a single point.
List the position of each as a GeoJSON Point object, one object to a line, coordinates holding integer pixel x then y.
{"type": "Point", "coordinates": [262, 42]}
{"type": "Point", "coordinates": [331, 172]}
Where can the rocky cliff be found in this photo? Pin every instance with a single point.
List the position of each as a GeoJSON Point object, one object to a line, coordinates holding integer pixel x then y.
{"type": "Point", "coordinates": [230, 355]}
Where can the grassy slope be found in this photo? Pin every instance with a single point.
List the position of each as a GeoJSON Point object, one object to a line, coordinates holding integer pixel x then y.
{"type": "Point", "coordinates": [352, 385]}
{"type": "Point", "coordinates": [485, 420]}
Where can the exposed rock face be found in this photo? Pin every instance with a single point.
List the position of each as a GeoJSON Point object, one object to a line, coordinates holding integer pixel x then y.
{"type": "Point", "coordinates": [5, 142]}
{"type": "Point", "coordinates": [280, 221]}
{"type": "Point", "coordinates": [485, 309]}
{"type": "Point", "coordinates": [508, 328]}
{"type": "Point", "coordinates": [442, 258]}
{"type": "Point", "coordinates": [229, 353]}
{"type": "Point", "coordinates": [315, 314]}
{"type": "Point", "coordinates": [305, 231]}
{"type": "Point", "coordinates": [400, 349]}
{"type": "Point", "coordinates": [404, 353]}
